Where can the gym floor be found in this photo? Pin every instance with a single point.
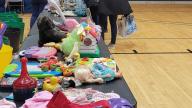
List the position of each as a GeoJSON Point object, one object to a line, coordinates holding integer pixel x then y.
{"type": "Point", "coordinates": [156, 61]}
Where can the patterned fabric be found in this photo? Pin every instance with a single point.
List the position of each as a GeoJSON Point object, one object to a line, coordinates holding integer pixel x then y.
{"type": "Point", "coordinates": [78, 6]}
{"type": "Point", "coordinates": [86, 96]}
{"type": "Point", "coordinates": [102, 71]}
{"type": "Point", "coordinates": [59, 100]}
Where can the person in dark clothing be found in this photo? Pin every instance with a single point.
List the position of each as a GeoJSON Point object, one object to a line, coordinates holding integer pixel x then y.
{"type": "Point", "coordinates": [93, 9]}
{"type": "Point", "coordinates": [103, 23]}
{"type": "Point", "coordinates": [112, 8]}
{"type": "Point", "coordinates": [94, 14]}
{"type": "Point", "coordinates": [37, 8]}
{"type": "Point", "coordinates": [2, 6]}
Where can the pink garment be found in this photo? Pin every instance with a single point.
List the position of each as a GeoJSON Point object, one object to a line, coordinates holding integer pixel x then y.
{"type": "Point", "coordinates": [39, 100]}
{"type": "Point", "coordinates": [6, 104]}
{"type": "Point", "coordinates": [69, 25]}
{"type": "Point", "coordinates": [86, 96]}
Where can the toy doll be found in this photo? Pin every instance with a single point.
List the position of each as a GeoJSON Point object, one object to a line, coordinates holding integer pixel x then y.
{"type": "Point", "coordinates": [84, 75]}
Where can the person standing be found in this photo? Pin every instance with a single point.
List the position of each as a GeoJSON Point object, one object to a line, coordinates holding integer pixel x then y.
{"type": "Point", "coordinates": [93, 9]}
{"type": "Point", "coordinates": [111, 9]}
{"type": "Point", "coordinates": [37, 8]}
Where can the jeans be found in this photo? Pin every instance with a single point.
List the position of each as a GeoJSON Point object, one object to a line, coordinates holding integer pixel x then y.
{"type": "Point", "coordinates": [36, 10]}
{"type": "Point", "coordinates": [103, 24]}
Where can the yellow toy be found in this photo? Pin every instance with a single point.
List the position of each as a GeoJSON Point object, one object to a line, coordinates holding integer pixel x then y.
{"type": "Point", "coordinates": [5, 57]}
{"type": "Point", "coordinates": [51, 86]}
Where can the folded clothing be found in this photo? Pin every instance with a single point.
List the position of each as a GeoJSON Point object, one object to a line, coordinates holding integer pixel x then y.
{"type": "Point", "coordinates": [59, 100]}
{"type": "Point", "coordinates": [86, 96]}
{"type": "Point", "coordinates": [39, 100]}
{"type": "Point", "coordinates": [6, 104]}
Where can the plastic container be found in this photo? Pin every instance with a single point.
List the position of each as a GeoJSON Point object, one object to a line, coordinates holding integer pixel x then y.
{"type": "Point", "coordinates": [5, 57]}
{"type": "Point", "coordinates": [6, 40]}
{"type": "Point", "coordinates": [14, 36]}
{"type": "Point", "coordinates": [13, 21]}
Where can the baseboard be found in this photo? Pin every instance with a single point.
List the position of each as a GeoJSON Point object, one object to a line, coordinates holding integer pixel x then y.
{"type": "Point", "coordinates": [160, 2]}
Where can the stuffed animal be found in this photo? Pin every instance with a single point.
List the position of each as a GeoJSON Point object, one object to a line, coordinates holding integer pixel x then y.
{"type": "Point", "coordinates": [84, 75]}
{"type": "Point", "coordinates": [48, 32]}
{"type": "Point", "coordinates": [68, 43]}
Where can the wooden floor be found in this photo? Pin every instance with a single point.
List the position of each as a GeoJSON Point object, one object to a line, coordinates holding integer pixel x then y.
{"type": "Point", "coordinates": [160, 74]}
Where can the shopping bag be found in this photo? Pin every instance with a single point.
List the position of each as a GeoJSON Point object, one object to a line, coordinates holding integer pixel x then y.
{"type": "Point", "coordinates": [126, 25]}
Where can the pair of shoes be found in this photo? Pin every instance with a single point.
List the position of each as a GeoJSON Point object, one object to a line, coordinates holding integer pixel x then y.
{"type": "Point", "coordinates": [111, 46]}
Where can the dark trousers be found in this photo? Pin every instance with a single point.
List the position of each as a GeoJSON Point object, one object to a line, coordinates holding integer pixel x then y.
{"type": "Point", "coordinates": [2, 5]}
{"type": "Point", "coordinates": [94, 15]}
{"type": "Point", "coordinates": [36, 10]}
{"type": "Point", "coordinates": [103, 24]}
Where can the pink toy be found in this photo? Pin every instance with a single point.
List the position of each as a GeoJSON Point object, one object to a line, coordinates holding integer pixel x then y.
{"type": "Point", "coordinates": [68, 25]}
{"type": "Point", "coordinates": [38, 52]}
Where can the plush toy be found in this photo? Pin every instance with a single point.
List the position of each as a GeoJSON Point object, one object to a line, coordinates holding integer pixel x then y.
{"type": "Point", "coordinates": [84, 75]}
{"type": "Point", "coordinates": [67, 24]}
{"type": "Point", "coordinates": [68, 43]}
{"type": "Point", "coordinates": [48, 31]}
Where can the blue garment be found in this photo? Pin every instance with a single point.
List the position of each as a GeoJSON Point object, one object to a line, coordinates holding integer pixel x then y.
{"type": "Point", "coordinates": [101, 71]}
{"type": "Point", "coordinates": [37, 8]}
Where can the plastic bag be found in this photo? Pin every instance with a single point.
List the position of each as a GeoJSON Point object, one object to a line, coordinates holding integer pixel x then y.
{"type": "Point", "coordinates": [126, 25]}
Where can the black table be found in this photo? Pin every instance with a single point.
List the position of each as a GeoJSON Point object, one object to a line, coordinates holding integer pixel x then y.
{"type": "Point", "coordinates": [118, 86]}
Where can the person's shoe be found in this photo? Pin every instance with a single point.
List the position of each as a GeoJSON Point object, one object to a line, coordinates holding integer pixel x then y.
{"type": "Point", "coordinates": [111, 46]}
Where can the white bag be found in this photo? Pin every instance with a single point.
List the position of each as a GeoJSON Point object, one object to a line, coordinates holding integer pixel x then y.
{"type": "Point", "coordinates": [126, 25]}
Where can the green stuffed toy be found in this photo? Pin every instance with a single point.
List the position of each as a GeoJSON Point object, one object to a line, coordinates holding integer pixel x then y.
{"type": "Point", "coordinates": [68, 43]}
